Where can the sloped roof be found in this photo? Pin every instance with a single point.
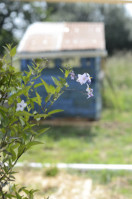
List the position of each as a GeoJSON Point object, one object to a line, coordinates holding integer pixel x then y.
{"type": "Point", "coordinates": [50, 38]}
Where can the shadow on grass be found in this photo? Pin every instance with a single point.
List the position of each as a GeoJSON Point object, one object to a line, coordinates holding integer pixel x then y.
{"type": "Point", "coordinates": [57, 132]}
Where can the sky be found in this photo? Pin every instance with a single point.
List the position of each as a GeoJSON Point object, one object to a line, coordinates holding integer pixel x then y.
{"type": "Point", "coordinates": [129, 8]}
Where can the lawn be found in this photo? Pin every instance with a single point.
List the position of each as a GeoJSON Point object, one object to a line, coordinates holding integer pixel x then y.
{"type": "Point", "coordinates": [105, 141]}
{"type": "Point", "coordinates": [108, 140]}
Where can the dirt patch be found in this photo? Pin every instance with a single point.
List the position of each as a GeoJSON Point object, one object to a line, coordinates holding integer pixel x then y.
{"type": "Point", "coordinates": [62, 186]}
{"type": "Point", "coordinates": [83, 122]}
{"type": "Point", "coordinates": [68, 122]}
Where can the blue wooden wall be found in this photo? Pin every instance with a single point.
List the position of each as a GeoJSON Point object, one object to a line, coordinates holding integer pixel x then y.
{"type": "Point", "coordinates": [74, 102]}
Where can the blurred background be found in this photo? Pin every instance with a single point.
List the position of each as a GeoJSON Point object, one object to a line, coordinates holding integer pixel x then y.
{"type": "Point", "coordinates": [108, 140]}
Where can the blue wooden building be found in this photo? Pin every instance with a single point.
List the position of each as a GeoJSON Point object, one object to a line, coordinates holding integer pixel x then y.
{"type": "Point", "coordinates": [81, 45]}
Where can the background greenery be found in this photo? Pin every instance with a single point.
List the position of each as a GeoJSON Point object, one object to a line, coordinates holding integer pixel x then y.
{"type": "Point", "coordinates": [15, 17]}
{"type": "Point", "coordinates": [108, 140]}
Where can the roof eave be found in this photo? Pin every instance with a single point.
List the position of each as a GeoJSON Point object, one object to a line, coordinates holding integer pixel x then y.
{"type": "Point", "coordinates": [58, 54]}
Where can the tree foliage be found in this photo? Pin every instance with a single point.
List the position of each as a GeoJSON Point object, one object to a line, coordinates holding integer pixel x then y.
{"type": "Point", "coordinates": [16, 16]}
{"type": "Point", "coordinates": [118, 29]}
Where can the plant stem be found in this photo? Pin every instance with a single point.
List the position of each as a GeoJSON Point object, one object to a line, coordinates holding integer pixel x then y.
{"type": "Point", "coordinates": [3, 197]}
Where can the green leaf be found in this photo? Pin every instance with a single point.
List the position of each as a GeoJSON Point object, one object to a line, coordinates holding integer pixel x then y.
{"type": "Point", "coordinates": [16, 145]}
{"type": "Point", "coordinates": [37, 85]}
{"type": "Point", "coordinates": [13, 154]}
{"type": "Point", "coordinates": [13, 52]}
{"type": "Point", "coordinates": [42, 131]}
{"type": "Point", "coordinates": [52, 89]}
{"type": "Point", "coordinates": [28, 127]}
{"type": "Point", "coordinates": [46, 86]}
{"type": "Point", "coordinates": [26, 191]}
{"type": "Point", "coordinates": [62, 81]}
{"type": "Point", "coordinates": [40, 116]}
{"type": "Point", "coordinates": [1, 63]}
{"type": "Point", "coordinates": [32, 143]}
{"type": "Point", "coordinates": [3, 109]}
{"type": "Point", "coordinates": [18, 196]}
{"type": "Point", "coordinates": [21, 189]}
{"type": "Point", "coordinates": [22, 120]}
{"type": "Point", "coordinates": [39, 100]}
{"type": "Point", "coordinates": [55, 111]}
{"type": "Point", "coordinates": [21, 149]}
{"type": "Point", "coordinates": [66, 73]}
{"type": "Point", "coordinates": [23, 114]}
{"type": "Point", "coordinates": [3, 130]}
{"type": "Point", "coordinates": [61, 70]}
{"type": "Point", "coordinates": [56, 81]}
{"type": "Point", "coordinates": [48, 98]}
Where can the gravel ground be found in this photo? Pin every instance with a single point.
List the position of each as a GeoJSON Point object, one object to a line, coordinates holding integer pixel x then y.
{"type": "Point", "coordinates": [62, 186]}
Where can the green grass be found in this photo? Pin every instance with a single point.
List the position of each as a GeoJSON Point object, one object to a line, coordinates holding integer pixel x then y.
{"type": "Point", "coordinates": [106, 141]}
{"type": "Point", "coordinates": [101, 142]}
{"type": "Point", "coordinates": [117, 91]}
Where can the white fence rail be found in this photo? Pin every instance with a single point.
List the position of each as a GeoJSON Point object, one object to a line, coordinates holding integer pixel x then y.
{"type": "Point", "coordinates": [79, 166]}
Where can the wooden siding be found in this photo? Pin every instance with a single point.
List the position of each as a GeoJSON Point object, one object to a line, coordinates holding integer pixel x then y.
{"type": "Point", "coordinates": [73, 101]}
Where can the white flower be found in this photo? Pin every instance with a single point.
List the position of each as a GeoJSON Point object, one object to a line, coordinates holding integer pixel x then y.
{"type": "Point", "coordinates": [18, 88]}
{"type": "Point", "coordinates": [1, 164]}
{"type": "Point", "coordinates": [85, 78]}
{"type": "Point", "coordinates": [89, 91]}
{"type": "Point", "coordinates": [21, 106]}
